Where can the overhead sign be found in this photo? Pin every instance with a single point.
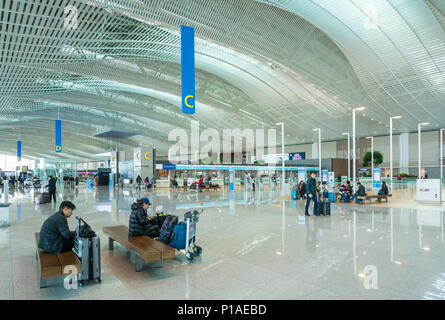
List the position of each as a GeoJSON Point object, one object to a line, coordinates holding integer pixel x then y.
{"type": "Point", "coordinates": [331, 177]}
{"type": "Point", "coordinates": [301, 175]}
{"type": "Point", "coordinates": [274, 158]}
{"type": "Point", "coordinates": [58, 136]}
{"type": "Point", "coordinates": [297, 155]}
{"type": "Point", "coordinates": [188, 69]}
{"type": "Point", "coordinates": [376, 177]}
{"type": "Point", "coordinates": [169, 167]}
{"type": "Point", "coordinates": [428, 190]}
{"type": "Point", "coordinates": [19, 150]}
{"type": "Point", "coordinates": [324, 174]}
{"type": "Point", "coordinates": [137, 157]}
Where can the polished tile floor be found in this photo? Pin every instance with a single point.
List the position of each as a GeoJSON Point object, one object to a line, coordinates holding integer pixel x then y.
{"type": "Point", "coordinates": [255, 246]}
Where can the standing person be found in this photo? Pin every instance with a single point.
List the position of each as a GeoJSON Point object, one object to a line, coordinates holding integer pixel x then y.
{"type": "Point", "coordinates": [77, 180]}
{"type": "Point", "coordinates": [146, 182]}
{"type": "Point", "coordinates": [311, 192]}
{"type": "Point", "coordinates": [339, 178]}
{"type": "Point", "coordinates": [51, 188]}
{"type": "Point", "coordinates": [139, 181]}
{"type": "Point", "coordinates": [55, 236]}
{"type": "Point", "coordinates": [71, 182]}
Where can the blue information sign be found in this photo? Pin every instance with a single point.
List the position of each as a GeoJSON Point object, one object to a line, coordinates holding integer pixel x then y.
{"type": "Point", "coordinates": [188, 69]}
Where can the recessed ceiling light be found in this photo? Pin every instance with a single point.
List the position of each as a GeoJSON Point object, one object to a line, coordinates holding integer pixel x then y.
{"type": "Point", "coordinates": [372, 118]}
{"type": "Point", "coordinates": [380, 122]}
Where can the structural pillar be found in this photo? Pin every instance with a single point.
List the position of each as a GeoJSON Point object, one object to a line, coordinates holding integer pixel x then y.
{"type": "Point", "coordinates": [404, 153]}
{"type": "Point", "coordinates": [315, 150]}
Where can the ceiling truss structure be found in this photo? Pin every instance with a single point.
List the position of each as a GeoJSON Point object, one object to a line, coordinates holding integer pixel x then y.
{"type": "Point", "coordinates": [306, 63]}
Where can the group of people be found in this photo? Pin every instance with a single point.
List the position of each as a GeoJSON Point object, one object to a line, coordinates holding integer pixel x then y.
{"type": "Point", "coordinates": [56, 237]}
{"type": "Point", "coordinates": [147, 183]}
{"type": "Point", "coordinates": [70, 182]}
{"type": "Point", "coordinates": [313, 192]}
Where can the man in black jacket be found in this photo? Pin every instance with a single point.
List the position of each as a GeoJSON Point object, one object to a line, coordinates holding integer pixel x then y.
{"type": "Point", "coordinates": [361, 192]}
{"type": "Point", "coordinates": [55, 236]}
{"type": "Point", "coordinates": [52, 188]}
{"type": "Point", "coordinates": [311, 191]}
{"type": "Point", "coordinates": [383, 189]}
{"type": "Point", "coordinates": [140, 224]}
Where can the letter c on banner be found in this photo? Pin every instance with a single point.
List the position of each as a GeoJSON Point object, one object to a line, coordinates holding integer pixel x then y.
{"type": "Point", "coordinates": [185, 101]}
{"type": "Point", "coordinates": [146, 156]}
{"type": "Point", "coordinates": [58, 148]}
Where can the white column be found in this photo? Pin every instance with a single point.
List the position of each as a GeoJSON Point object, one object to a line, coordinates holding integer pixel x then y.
{"type": "Point", "coordinates": [315, 150]}
{"type": "Point", "coordinates": [441, 154]}
{"type": "Point", "coordinates": [282, 155]}
{"type": "Point", "coordinates": [419, 149]}
{"type": "Point", "coordinates": [353, 149]}
{"type": "Point", "coordinates": [319, 153]}
{"type": "Point", "coordinates": [349, 156]}
{"type": "Point", "coordinates": [372, 160]}
{"type": "Point", "coordinates": [404, 152]}
{"type": "Point", "coordinates": [390, 151]}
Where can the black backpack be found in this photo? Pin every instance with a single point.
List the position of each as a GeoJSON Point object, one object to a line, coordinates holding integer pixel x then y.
{"type": "Point", "coordinates": [160, 218]}
{"type": "Point", "coordinates": [167, 229]}
{"type": "Point", "coordinates": [83, 230]}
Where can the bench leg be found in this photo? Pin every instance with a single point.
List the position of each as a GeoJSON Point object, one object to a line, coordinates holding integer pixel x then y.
{"type": "Point", "coordinates": [139, 263]}
{"type": "Point", "coordinates": [43, 283]}
{"type": "Point", "coordinates": [110, 243]}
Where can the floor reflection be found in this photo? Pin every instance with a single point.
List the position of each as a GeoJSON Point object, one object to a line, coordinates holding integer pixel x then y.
{"type": "Point", "coordinates": [256, 245]}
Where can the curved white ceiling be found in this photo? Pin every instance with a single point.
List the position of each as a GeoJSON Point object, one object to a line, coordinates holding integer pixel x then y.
{"type": "Point", "coordinates": [307, 63]}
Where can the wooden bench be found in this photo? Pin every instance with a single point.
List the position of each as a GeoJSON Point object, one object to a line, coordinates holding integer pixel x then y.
{"type": "Point", "coordinates": [141, 248]}
{"type": "Point", "coordinates": [52, 265]}
{"type": "Point", "coordinates": [374, 196]}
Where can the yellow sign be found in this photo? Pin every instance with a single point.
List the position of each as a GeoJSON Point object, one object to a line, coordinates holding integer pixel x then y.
{"type": "Point", "coordinates": [137, 155]}
{"type": "Point", "coordinates": [58, 148]}
{"type": "Point", "coordinates": [146, 156]}
{"type": "Point", "coordinates": [185, 101]}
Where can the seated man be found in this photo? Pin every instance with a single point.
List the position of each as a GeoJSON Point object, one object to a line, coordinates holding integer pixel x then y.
{"type": "Point", "coordinates": [55, 236]}
{"type": "Point", "coordinates": [383, 190]}
{"type": "Point", "coordinates": [140, 223]}
{"type": "Point", "coordinates": [174, 183]}
{"type": "Point", "coordinates": [324, 191]}
{"type": "Point", "coordinates": [346, 191]}
{"type": "Point", "coordinates": [360, 192]}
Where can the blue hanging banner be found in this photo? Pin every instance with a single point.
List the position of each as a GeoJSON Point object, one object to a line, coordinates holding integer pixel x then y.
{"type": "Point", "coordinates": [58, 136]}
{"type": "Point", "coordinates": [19, 150]}
{"type": "Point", "coordinates": [188, 69]}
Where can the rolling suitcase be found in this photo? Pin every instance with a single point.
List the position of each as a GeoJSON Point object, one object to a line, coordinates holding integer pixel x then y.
{"type": "Point", "coordinates": [294, 194]}
{"type": "Point", "coordinates": [327, 208]}
{"type": "Point", "coordinates": [320, 208]}
{"type": "Point", "coordinates": [87, 248]}
{"type": "Point", "coordinates": [331, 197]}
{"type": "Point", "coordinates": [44, 197]}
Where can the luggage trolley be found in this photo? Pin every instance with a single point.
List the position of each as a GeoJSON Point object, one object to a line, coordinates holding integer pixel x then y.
{"type": "Point", "coordinates": [191, 249]}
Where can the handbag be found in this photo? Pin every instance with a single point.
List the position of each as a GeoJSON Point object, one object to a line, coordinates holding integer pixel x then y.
{"type": "Point", "coordinates": [83, 230]}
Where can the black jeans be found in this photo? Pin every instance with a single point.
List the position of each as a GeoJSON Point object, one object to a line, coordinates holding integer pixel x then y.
{"type": "Point", "coordinates": [67, 244]}
{"type": "Point", "coordinates": [52, 194]}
